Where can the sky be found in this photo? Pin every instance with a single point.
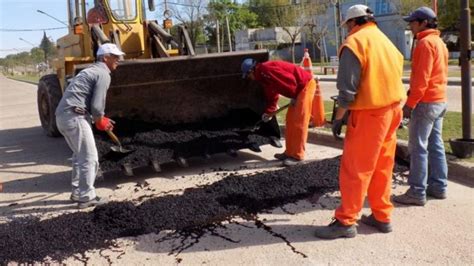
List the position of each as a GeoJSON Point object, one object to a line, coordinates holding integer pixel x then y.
{"type": "Point", "coordinates": [22, 14]}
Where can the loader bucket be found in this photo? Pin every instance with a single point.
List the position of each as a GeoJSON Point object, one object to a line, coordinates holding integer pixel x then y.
{"type": "Point", "coordinates": [183, 89]}
{"type": "Point", "coordinates": [202, 93]}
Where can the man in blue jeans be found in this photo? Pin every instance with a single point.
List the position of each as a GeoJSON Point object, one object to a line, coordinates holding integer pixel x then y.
{"type": "Point", "coordinates": [426, 106]}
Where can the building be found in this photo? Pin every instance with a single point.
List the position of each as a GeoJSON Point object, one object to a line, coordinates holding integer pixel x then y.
{"type": "Point", "coordinates": [386, 14]}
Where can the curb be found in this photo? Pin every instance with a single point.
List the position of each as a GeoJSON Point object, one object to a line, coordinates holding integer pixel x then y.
{"type": "Point", "coordinates": [459, 171]}
{"type": "Point", "coordinates": [26, 81]}
{"type": "Point", "coordinates": [404, 80]}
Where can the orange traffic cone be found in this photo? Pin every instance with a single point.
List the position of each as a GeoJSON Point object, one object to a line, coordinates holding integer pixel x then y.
{"type": "Point", "coordinates": [317, 112]}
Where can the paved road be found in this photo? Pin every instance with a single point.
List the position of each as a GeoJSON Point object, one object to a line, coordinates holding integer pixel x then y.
{"type": "Point", "coordinates": [454, 95]}
{"type": "Point", "coordinates": [35, 172]}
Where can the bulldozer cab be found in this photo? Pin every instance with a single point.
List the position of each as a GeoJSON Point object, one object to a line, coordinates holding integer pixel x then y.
{"type": "Point", "coordinates": [161, 83]}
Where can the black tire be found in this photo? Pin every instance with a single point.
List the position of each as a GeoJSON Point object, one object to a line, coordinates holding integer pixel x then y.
{"type": "Point", "coordinates": [48, 97]}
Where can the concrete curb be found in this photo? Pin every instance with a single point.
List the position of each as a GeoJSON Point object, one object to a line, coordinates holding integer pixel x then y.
{"type": "Point", "coordinates": [405, 80]}
{"type": "Point", "coordinates": [459, 171]}
{"type": "Point", "coordinates": [26, 81]}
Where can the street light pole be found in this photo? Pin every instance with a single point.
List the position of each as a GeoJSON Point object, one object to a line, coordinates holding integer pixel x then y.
{"type": "Point", "coordinates": [44, 13]}
{"type": "Point", "coordinates": [337, 21]}
{"type": "Point", "coordinates": [21, 39]}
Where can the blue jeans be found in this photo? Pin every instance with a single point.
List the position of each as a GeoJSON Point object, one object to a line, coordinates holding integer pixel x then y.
{"type": "Point", "coordinates": [428, 166]}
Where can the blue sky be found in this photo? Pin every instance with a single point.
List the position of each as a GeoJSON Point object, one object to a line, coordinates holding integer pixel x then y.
{"type": "Point", "coordinates": [22, 14]}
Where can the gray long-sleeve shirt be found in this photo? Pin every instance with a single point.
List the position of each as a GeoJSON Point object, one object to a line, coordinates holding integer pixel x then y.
{"type": "Point", "coordinates": [87, 90]}
{"type": "Point", "coordinates": [348, 78]}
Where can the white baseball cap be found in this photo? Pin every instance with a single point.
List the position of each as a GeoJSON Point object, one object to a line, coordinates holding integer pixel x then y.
{"type": "Point", "coordinates": [356, 11]}
{"type": "Point", "coordinates": [109, 48]}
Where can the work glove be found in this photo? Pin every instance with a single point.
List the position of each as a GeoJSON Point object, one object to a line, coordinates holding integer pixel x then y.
{"type": "Point", "coordinates": [407, 111]}
{"type": "Point", "coordinates": [105, 124]}
{"type": "Point", "coordinates": [336, 128]}
{"type": "Point", "coordinates": [266, 117]}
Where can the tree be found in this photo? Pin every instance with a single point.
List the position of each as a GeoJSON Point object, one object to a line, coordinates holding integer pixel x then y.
{"type": "Point", "coordinates": [37, 55]}
{"type": "Point", "coordinates": [292, 18]}
{"type": "Point", "coordinates": [405, 7]}
{"type": "Point", "coordinates": [190, 14]}
{"type": "Point", "coordinates": [239, 17]}
{"type": "Point", "coordinates": [47, 46]}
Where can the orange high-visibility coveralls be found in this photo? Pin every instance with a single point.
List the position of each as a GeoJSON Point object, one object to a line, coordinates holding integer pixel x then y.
{"type": "Point", "coordinates": [369, 146]}
{"type": "Point", "coordinates": [282, 78]}
{"type": "Point", "coordinates": [297, 121]}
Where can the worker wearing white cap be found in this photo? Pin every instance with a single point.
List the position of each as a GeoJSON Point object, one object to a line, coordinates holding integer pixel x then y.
{"type": "Point", "coordinates": [370, 86]}
{"type": "Point", "coordinates": [84, 97]}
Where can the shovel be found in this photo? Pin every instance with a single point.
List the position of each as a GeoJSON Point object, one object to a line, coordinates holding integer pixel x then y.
{"type": "Point", "coordinates": [259, 123]}
{"type": "Point", "coordinates": [118, 148]}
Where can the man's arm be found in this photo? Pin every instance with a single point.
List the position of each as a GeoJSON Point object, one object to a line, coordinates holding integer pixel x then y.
{"type": "Point", "coordinates": [99, 95]}
{"type": "Point", "coordinates": [348, 79]}
{"type": "Point", "coordinates": [421, 68]}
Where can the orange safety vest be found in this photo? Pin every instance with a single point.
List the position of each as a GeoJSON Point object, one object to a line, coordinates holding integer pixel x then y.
{"type": "Point", "coordinates": [382, 68]}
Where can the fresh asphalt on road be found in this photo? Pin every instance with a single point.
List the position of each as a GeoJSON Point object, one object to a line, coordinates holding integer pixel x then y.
{"type": "Point", "coordinates": [35, 171]}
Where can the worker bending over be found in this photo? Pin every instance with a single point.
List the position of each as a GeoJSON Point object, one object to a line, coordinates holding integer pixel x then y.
{"type": "Point", "coordinates": [282, 78]}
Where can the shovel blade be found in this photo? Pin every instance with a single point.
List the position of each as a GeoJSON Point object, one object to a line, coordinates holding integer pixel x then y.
{"type": "Point", "coordinates": [119, 149]}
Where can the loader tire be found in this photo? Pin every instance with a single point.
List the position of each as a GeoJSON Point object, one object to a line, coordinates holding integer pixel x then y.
{"type": "Point", "coordinates": [49, 95]}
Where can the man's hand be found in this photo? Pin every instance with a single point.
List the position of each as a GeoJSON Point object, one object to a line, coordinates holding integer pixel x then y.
{"type": "Point", "coordinates": [104, 124]}
{"type": "Point", "coordinates": [407, 111]}
{"type": "Point", "coordinates": [336, 128]}
{"type": "Point", "coordinates": [266, 117]}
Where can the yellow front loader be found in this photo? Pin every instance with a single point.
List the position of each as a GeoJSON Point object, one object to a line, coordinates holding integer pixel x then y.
{"type": "Point", "coordinates": [160, 80]}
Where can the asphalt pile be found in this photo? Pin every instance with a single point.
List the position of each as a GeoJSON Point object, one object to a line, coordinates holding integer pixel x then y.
{"type": "Point", "coordinates": [31, 239]}
{"type": "Point", "coordinates": [165, 143]}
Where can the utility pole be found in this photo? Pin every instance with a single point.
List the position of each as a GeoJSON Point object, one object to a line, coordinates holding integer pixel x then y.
{"type": "Point", "coordinates": [218, 37]}
{"type": "Point", "coordinates": [229, 37]}
{"type": "Point", "coordinates": [337, 22]}
{"type": "Point", "coordinates": [338, 9]}
{"type": "Point", "coordinates": [465, 60]}
{"type": "Point", "coordinates": [434, 5]}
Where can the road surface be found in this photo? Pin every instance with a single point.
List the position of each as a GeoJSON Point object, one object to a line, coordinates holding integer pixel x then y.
{"type": "Point", "coordinates": [35, 171]}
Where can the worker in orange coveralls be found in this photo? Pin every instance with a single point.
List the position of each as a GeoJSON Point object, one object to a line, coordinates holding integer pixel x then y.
{"type": "Point", "coordinates": [370, 86]}
{"type": "Point", "coordinates": [282, 78]}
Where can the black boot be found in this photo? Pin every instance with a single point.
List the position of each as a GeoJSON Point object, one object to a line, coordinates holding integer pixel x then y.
{"type": "Point", "coordinates": [336, 230]}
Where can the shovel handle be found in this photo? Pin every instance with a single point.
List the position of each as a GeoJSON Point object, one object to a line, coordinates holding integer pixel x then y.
{"type": "Point", "coordinates": [281, 109]}
{"type": "Point", "coordinates": [113, 137]}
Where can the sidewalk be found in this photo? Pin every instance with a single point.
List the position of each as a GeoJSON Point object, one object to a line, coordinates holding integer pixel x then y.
{"type": "Point", "coordinates": [452, 81]}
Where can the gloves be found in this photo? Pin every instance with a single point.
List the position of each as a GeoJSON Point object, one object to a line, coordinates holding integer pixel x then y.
{"type": "Point", "coordinates": [336, 128]}
{"type": "Point", "coordinates": [104, 124]}
{"type": "Point", "coordinates": [407, 111]}
{"type": "Point", "coordinates": [266, 117]}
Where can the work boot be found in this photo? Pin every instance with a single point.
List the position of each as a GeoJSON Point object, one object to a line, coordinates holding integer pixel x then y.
{"type": "Point", "coordinates": [409, 200]}
{"type": "Point", "coordinates": [435, 194]}
{"type": "Point", "coordinates": [336, 230]}
{"type": "Point", "coordinates": [280, 156]}
{"type": "Point", "coordinates": [74, 198]}
{"type": "Point", "coordinates": [93, 202]}
{"type": "Point", "coordinates": [371, 221]}
{"type": "Point", "coordinates": [291, 161]}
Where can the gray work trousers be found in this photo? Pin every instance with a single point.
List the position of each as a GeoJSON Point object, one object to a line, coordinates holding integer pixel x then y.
{"type": "Point", "coordinates": [77, 132]}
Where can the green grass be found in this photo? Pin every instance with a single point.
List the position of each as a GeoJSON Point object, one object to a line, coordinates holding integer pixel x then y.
{"type": "Point", "coordinates": [27, 78]}
{"type": "Point", "coordinates": [452, 124]}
